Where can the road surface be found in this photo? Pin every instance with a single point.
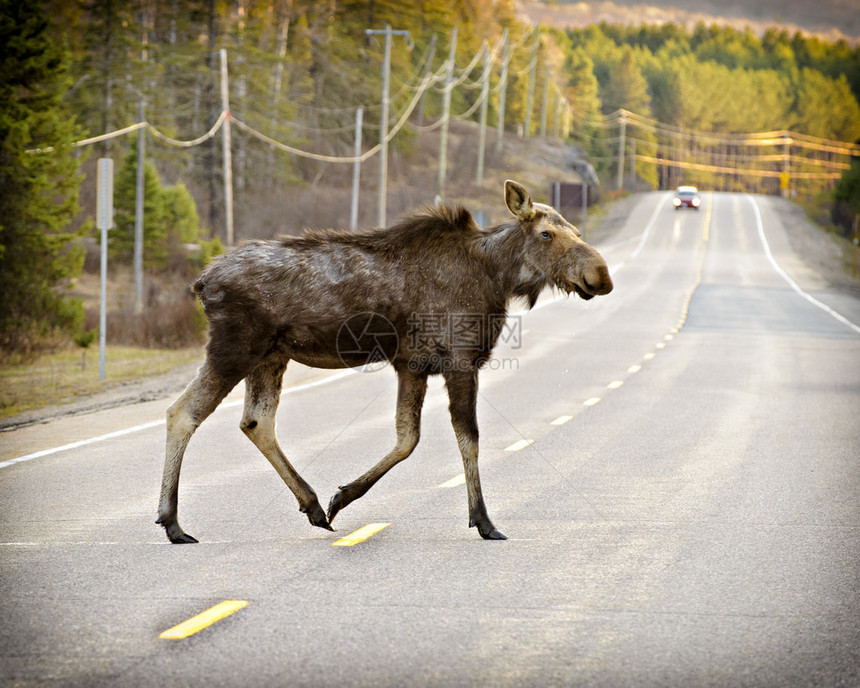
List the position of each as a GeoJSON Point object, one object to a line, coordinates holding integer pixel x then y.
{"type": "Point", "coordinates": [675, 464]}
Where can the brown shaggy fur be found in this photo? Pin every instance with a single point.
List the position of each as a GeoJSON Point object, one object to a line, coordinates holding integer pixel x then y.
{"type": "Point", "coordinates": [269, 302]}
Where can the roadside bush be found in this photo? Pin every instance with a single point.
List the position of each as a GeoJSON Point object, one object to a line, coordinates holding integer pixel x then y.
{"type": "Point", "coordinates": [171, 326]}
{"type": "Point", "coordinates": [162, 326]}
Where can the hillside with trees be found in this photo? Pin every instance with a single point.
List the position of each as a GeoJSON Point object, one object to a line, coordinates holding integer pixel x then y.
{"type": "Point", "coordinates": [730, 109]}
{"type": "Point", "coordinates": [643, 106]}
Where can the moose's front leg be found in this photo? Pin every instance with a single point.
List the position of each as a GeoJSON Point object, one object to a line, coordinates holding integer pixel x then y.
{"type": "Point", "coordinates": [410, 399]}
{"type": "Point", "coordinates": [463, 398]}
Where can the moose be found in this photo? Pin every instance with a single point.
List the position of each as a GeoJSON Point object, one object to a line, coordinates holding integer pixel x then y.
{"type": "Point", "coordinates": [331, 299]}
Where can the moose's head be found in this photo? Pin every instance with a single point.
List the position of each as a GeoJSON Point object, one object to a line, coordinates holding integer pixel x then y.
{"type": "Point", "coordinates": [555, 251]}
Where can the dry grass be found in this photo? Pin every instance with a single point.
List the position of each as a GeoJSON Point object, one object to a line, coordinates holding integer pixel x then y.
{"type": "Point", "coordinates": [73, 373]}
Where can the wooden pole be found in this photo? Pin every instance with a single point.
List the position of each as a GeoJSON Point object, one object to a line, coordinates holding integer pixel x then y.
{"type": "Point", "coordinates": [622, 121]}
{"type": "Point", "coordinates": [485, 95]}
{"type": "Point", "coordinates": [228, 154]}
{"type": "Point", "coordinates": [503, 88]}
{"type": "Point", "coordinates": [356, 171]}
{"type": "Point", "coordinates": [531, 93]}
{"type": "Point", "coordinates": [446, 113]}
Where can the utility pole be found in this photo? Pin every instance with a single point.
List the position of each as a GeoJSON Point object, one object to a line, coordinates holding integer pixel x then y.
{"type": "Point", "coordinates": [545, 106]}
{"type": "Point", "coordinates": [565, 123]}
{"type": "Point", "coordinates": [139, 190]}
{"type": "Point", "coordinates": [531, 95]}
{"type": "Point", "coordinates": [446, 113]}
{"type": "Point", "coordinates": [622, 119]}
{"type": "Point", "coordinates": [383, 129]}
{"type": "Point", "coordinates": [356, 171]}
{"type": "Point", "coordinates": [485, 92]}
{"type": "Point", "coordinates": [228, 155]}
{"type": "Point", "coordinates": [503, 89]}
{"type": "Point", "coordinates": [633, 160]}
{"type": "Point", "coordinates": [427, 72]}
{"type": "Point", "coordinates": [383, 123]}
{"type": "Point", "coordinates": [138, 213]}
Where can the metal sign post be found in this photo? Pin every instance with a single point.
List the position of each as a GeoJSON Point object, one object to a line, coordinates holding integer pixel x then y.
{"type": "Point", "coordinates": [104, 222]}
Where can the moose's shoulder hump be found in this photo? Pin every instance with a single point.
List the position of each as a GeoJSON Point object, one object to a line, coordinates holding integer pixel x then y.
{"type": "Point", "coordinates": [433, 221]}
{"type": "Point", "coordinates": [453, 217]}
{"type": "Point", "coordinates": [419, 225]}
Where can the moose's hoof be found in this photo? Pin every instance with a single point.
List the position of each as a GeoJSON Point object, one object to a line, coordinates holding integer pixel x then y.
{"type": "Point", "coordinates": [317, 516]}
{"type": "Point", "coordinates": [494, 535]}
{"type": "Point", "coordinates": [183, 539]}
{"type": "Point", "coordinates": [335, 504]}
{"type": "Point", "coordinates": [176, 535]}
{"type": "Point", "coordinates": [488, 531]}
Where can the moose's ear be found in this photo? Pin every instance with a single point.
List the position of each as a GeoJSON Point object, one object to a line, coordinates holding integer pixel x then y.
{"type": "Point", "coordinates": [518, 200]}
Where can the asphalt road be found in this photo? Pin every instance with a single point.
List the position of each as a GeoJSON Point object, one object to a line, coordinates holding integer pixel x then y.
{"type": "Point", "coordinates": [675, 464]}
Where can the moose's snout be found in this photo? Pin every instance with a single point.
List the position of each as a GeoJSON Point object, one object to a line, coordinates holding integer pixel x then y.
{"type": "Point", "coordinates": [596, 280]}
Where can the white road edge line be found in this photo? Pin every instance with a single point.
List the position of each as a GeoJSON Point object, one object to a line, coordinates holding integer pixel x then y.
{"type": "Point", "coordinates": [815, 302]}
{"type": "Point", "coordinates": [156, 423]}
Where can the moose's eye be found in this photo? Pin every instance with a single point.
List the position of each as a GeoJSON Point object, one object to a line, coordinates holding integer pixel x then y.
{"type": "Point", "coordinates": [545, 235]}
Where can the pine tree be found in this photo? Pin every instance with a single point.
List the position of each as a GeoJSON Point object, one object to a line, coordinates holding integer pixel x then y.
{"type": "Point", "coordinates": [627, 88]}
{"type": "Point", "coordinates": [39, 181]}
{"type": "Point", "coordinates": [121, 238]}
{"type": "Point", "coordinates": [169, 217]}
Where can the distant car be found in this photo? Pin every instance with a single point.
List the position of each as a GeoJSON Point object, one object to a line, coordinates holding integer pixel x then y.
{"type": "Point", "coordinates": [687, 197]}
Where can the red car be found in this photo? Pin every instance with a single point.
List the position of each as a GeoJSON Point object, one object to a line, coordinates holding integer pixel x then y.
{"type": "Point", "coordinates": [687, 197]}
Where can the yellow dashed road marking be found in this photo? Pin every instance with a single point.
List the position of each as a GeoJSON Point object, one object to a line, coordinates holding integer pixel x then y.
{"type": "Point", "coordinates": [456, 480]}
{"type": "Point", "coordinates": [615, 384]}
{"type": "Point", "coordinates": [519, 444]}
{"type": "Point", "coordinates": [360, 535]}
{"type": "Point", "coordinates": [203, 620]}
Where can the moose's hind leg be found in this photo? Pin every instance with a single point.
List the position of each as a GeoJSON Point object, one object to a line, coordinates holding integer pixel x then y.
{"type": "Point", "coordinates": [184, 416]}
{"type": "Point", "coordinates": [262, 394]}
